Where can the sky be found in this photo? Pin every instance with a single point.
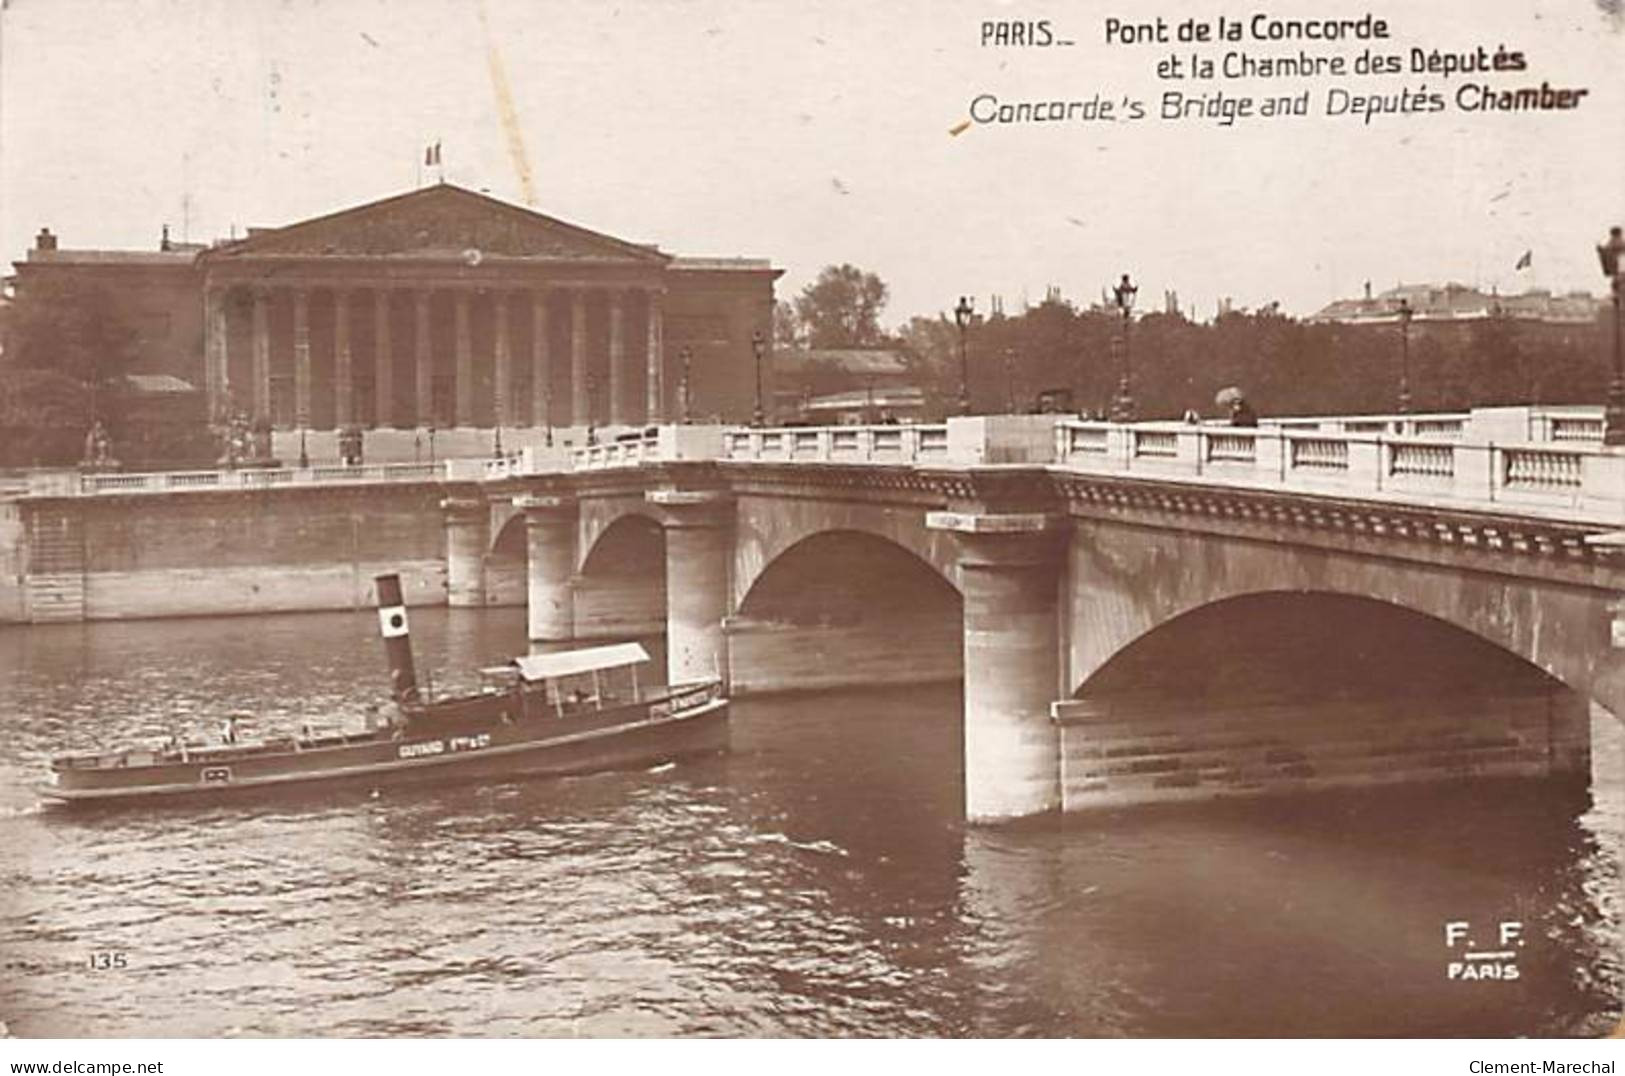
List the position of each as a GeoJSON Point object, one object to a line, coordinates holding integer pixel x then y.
{"type": "Point", "coordinates": [813, 132]}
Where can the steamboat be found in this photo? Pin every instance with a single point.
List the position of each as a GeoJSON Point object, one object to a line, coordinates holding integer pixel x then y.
{"type": "Point", "coordinates": [569, 712]}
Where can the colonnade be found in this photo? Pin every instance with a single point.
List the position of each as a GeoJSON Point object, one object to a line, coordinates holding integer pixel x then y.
{"type": "Point", "coordinates": [379, 370]}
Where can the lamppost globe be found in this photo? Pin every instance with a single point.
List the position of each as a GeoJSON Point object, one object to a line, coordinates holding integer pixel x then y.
{"type": "Point", "coordinates": [1613, 416]}
{"type": "Point", "coordinates": [962, 318]}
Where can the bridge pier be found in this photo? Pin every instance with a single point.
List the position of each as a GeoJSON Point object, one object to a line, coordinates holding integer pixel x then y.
{"type": "Point", "coordinates": [1007, 571]}
{"type": "Point", "coordinates": [468, 534]}
{"type": "Point", "coordinates": [699, 547]}
{"type": "Point", "coordinates": [550, 541]}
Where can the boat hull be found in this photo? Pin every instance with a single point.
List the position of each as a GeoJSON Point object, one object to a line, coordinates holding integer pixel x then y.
{"type": "Point", "coordinates": [498, 753]}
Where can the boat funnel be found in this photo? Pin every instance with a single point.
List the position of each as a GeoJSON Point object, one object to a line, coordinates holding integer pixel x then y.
{"type": "Point", "coordinates": [403, 677]}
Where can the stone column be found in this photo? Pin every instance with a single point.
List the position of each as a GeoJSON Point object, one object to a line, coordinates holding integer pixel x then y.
{"type": "Point", "coordinates": [580, 400]}
{"type": "Point", "coordinates": [465, 363]}
{"type": "Point", "coordinates": [383, 371]}
{"type": "Point", "coordinates": [301, 358]}
{"type": "Point", "coordinates": [617, 362]}
{"type": "Point", "coordinates": [699, 539]}
{"type": "Point", "coordinates": [343, 381]}
{"type": "Point", "coordinates": [468, 527]}
{"type": "Point", "coordinates": [655, 405]}
{"type": "Point", "coordinates": [550, 541]}
{"type": "Point", "coordinates": [262, 355]}
{"type": "Point", "coordinates": [425, 358]}
{"type": "Point", "coordinates": [1008, 575]}
{"type": "Point", "coordinates": [501, 360]}
{"type": "Point", "coordinates": [216, 302]}
{"type": "Point", "coordinates": [541, 369]}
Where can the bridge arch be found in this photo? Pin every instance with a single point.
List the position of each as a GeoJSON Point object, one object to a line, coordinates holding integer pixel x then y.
{"type": "Point", "coordinates": [846, 607]}
{"type": "Point", "coordinates": [507, 558]}
{"type": "Point", "coordinates": [768, 528]}
{"type": "Point", "coordinates": [1126, 582]}
{"type": "Point", "coordinates": [1219, 667]}
{"type": "Point", "coordinates": [620, 579]}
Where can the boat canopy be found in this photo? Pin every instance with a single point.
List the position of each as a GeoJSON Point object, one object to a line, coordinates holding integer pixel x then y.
{"type": "Point", "coordinates": [570, 662]}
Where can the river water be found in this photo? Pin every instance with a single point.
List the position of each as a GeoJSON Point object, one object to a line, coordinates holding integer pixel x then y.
{"type": "Point", "coordinates": [816, 880]}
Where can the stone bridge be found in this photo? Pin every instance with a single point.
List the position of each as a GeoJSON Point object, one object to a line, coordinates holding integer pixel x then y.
{"type": "Point", "coordinates": [1448, 582]}
{"type": "Point", "coordinates": [1139, 613]}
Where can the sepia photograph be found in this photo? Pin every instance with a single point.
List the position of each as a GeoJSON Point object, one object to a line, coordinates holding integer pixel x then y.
{"type": "Point", "coordinates": [706, 519]}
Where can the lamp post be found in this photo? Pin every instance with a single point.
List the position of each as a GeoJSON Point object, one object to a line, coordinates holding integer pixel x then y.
{"type": "Point", "coordinates": [758, 347]}
{"type": "Point", "coordinates": [1123, 409]}
{"type": "Point", "coordinates": [688, 415]}
{"type": "Point", "coordinates": [1613, 415]}
{"type": "Point", "coordinates": [962, 316]}
{"type": "Point", "coordinates": [1405, 316]}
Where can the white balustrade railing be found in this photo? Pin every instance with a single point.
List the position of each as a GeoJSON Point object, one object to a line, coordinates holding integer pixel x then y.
{"type": "Point", "coordinates": [74, 484]}
{"type": "Point", "coordinates": [838, 444]}
{"type": "Point", "coordinates": [1161, 443]}
{"type": "Point", "coordinates": [1544, 469]}
{"type": "Point", "coordinates": [1425, 460]}
{"type": "Point", "coordinates": [1232, 447]}
{"type": "Point", "coordinates": [1313, 453]}
{"type": "Point", "coordinates": [1576, 428]}
{"type": "Point", "coordinates": [1557, 472]}
{"type": "Point", "coordinates": [1575, 480]}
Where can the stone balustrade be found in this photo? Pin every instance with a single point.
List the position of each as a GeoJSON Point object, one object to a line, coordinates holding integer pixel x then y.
{"type": "Point", "coordinates": [1437, 458]}
{"type": "Point", "coordinates": [1579, 481]}
{"type": "Point", "coordinates": [839, 444]}
{"type": "Point", "coordinates": [1499, 424]}
{"type": "Point", "coordinates": [76, 484]}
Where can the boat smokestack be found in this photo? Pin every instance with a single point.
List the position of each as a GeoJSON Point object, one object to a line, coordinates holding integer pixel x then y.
{"type": "Point", "coordinates": [403, 676]}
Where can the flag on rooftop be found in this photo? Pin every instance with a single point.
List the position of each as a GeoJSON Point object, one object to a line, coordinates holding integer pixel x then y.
{"type": "Point", "coordinates": [1527, 260]}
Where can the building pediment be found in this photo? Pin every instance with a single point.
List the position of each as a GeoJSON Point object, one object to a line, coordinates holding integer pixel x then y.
{"type": "Point", "coordinates": [439, 222]}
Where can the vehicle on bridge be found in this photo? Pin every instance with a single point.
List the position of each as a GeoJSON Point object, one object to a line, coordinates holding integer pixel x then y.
{"type": "Point", "coordinates": [568, 712]}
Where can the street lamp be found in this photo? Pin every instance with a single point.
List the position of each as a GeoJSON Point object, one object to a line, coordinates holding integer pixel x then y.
{"type": "Point", "coordinates": [962, 316]}
{"type": "Point", "coordinates": [1613, 415]}
{"type": "Point", "coordinates": [1124, 292]}
{"type": "Point", "coordinates": [1405, 316]}
{"type": "Point", "coordinates": [758, 347]}
{"type": "Point", "coordinates": [688, 416]}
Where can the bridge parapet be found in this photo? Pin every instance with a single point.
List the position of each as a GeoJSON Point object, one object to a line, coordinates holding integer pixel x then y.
{"type": "Point", "coordinates": [75, 484]}
{"type": "Point", "coordinates": [1518, 424]}
{"type": "Point", "coordinates": [1568, 480]}
{"type": "Point", "coordinates": [839, 444]}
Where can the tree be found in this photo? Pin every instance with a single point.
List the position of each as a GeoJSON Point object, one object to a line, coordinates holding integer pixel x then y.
{"type": "Point", "coordinates": [66, 349]}
{"type": "Point", "coordinates": [841, 309]}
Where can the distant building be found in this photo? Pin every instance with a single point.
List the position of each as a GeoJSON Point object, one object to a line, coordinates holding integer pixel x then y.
{"type": "Point", "coordinates": [1444, 303]}
{"type": "Point", "coordinates": [841, 379]}
{"type": "Point", "coordinates": [439, 307]}
{"type": "Point", "coordinates": [903, 403]}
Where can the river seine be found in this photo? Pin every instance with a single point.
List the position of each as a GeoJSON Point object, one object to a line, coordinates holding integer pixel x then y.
{"type": "Point", "coordinates": [816, 880]}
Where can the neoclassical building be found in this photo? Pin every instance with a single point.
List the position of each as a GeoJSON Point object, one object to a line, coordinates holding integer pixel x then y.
{"type": "Point", "coordinates": [440, 308]}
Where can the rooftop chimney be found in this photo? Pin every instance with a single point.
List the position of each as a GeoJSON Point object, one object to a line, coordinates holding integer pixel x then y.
{"type": "Point", "coordinates": [163, 244]}
{"type": "Point", "coordinates": [45, 240]}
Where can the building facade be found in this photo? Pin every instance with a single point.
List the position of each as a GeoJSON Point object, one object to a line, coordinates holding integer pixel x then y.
{"type": "Point", "coordinates": [1460, 303]}
{"type": "Point", "coordinates": [439, 308]}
